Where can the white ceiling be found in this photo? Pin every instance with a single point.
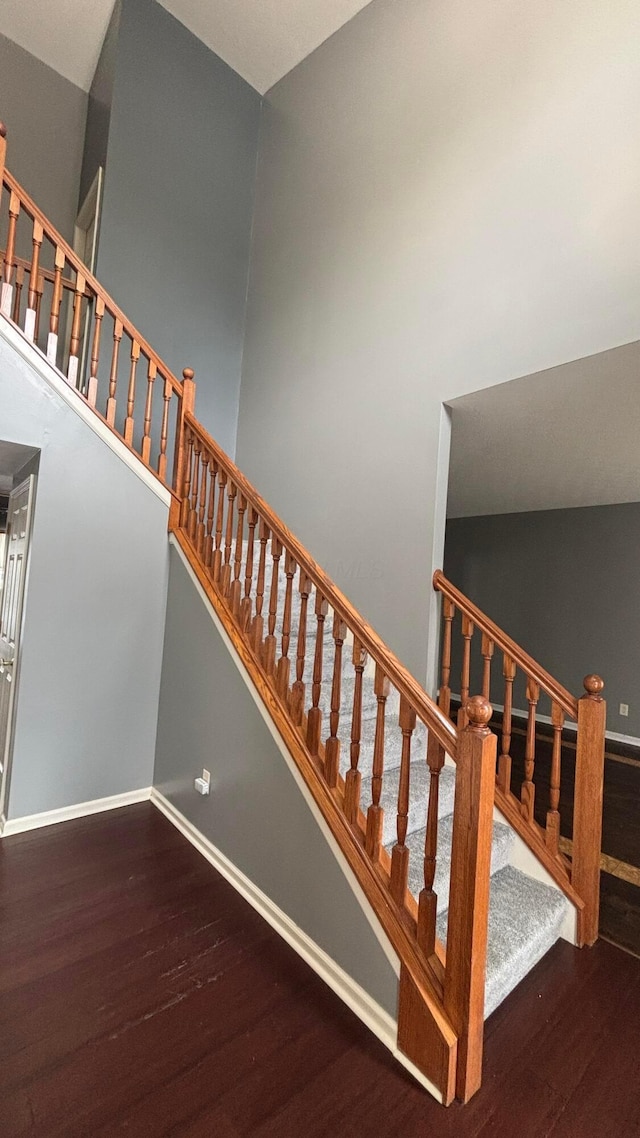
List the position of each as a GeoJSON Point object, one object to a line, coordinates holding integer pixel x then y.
{"type": "Point", "coordinates": [565, 437]}
{"type": "Point", "coordinates": [261, 39]}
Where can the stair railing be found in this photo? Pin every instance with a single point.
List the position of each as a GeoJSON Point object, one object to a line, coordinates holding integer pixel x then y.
{"type": "Point", "coordinates": [64, 311]}
{"type": "Point", "coordinates": [238, 548]}
{"type": "Point", "coordinates": [534, 807]}
{"type": "Point", "coordinates": [236, 544]}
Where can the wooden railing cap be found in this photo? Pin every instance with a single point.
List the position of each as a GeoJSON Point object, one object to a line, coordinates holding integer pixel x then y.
{"type": "Point", "coordinates": [479, 711]}
{"type": "Point", "coordinates": [504, 643]}
{"type": "Point", "coordinates": [593, 686]}
{"type": "Point", "coordinates": [188, 373]}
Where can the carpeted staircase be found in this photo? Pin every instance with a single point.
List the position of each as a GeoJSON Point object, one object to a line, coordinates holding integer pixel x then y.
{"type": "Point", "coordinates": [525, 915]}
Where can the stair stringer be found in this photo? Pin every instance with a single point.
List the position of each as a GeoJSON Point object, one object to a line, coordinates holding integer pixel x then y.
{"type": "Point", "coordinates": [429, 1044]}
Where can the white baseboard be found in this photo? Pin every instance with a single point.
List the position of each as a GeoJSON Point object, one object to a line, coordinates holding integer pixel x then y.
{"type": "Point", "coordinates": [383, 1025]}
{"type": "Point", "coordinates": [80, 810]}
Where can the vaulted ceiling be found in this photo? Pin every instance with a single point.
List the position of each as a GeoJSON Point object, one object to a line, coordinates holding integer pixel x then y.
{"type": "Point", "coordinates": [261, 39]}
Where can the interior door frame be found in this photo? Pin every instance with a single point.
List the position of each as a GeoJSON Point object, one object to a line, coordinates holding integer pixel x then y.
{"type": "Point", "coordinates": [87, 222]}
{"type": "Point", "coordinates": [7, 756]}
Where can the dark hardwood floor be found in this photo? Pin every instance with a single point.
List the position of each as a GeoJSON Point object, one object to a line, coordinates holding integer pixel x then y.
{"type": "Point", "coordinates": [140, 995]}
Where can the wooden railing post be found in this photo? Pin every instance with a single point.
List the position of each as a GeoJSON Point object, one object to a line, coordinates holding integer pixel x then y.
{"type": "Point", "coordinates": [3, 150]}
{"type": "Point", "coordinates": [469, 892]}
{"type": "Point", "coordinates": [186, 404]}
{"type": "Point", "coordinates": [587, 806]}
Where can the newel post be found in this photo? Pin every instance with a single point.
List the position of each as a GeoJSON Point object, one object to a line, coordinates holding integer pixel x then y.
{"type": "Point", "coordinates": [587, 806]}
{"type": "Point", "coordinates": [186, 404]}
{"type": "Point", "coordinates": [464, 982]}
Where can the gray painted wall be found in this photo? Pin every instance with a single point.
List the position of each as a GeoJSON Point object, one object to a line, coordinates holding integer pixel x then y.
{"type": "Point", "coordinates": [45, 119]}
{"type": "Point", "coordinates": [178, 200]}
{"type": "Point", "coordinates": [94, 618]}
{"type": "Point", "coordinates": [446, 200]}
{"type": "Point", "coordinates": [255, 814]}
{"type": "Point", "coordinates": [565, 585]}
{"type": "Point", "coordinates": [96, 139]}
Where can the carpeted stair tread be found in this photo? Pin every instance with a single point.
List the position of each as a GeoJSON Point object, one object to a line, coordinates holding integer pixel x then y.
{"type": "Point", "coordinates": [392, 747]}
{"type": "Point", "coordinates": [418, 798]}
{"type": "Point", "coordinates": [525, 917]}
{"type": "Point", "coordinates": [500, 850]}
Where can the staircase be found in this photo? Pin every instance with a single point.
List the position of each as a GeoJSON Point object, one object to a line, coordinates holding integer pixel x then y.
{"type": "Point", "coordinates": [464, 869]}
{"type": "Point", "coordinates": [525, 915]}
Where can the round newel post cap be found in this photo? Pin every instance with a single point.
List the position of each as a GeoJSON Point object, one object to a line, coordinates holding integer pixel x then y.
{"type": "Point", "coordinates": [479, 711]}
{"type": "Point", "coordinates": [188, 373]}
{"type": "Point", "coordinates": [3, 130]}
{"type": "Point", "coordinates": [593, 686]}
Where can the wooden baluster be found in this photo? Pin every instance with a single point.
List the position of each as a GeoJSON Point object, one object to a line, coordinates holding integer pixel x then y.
{"type": "Point", "coordinates": [164, 431]}
{"type": "Point", "coordinates": [587, 806]}
{"type": "Point", "coordinates": [217, 553]}
{"type": "Point", "coordinates": [34, 272]}
{"type": "Point", "coordinates": [145, 451]}
{"type": "Point", "coordinates": [131, 393]}
{"type": "Point", "coordinates": [202, 504]}
{"type": "Point", "coordinates": [528, 790]}
{"type": "Point", "coordinates": [56, 301]}
{"type": "Point", "coordinates": [468, 919]}
{"type": "Point", "coordinates": [234, 595]}
{"type": "Point", "coordinates": [245, 605]}
{"type": "Point", "coordinates": [39, 295]}
{"type": "Point", "coordinates": [375, 813]}
{"type": "Point", "coordinates": [400, 853]}
{"type": "Point", "coordinates": [284, 664]}
{"type": "Point", "coordinates": [76, 328]}
{"type": "Point", "coordinates": [257, 625]}
{"type": "Point", "coordinates": [314, 718]}
{"type": "Point", "coordinates": [6, 289]}
{"type": "Point", "coordinates": [208, 543]}
{"type": "Point", "coordinates": [186, 486]}
{"type": "Point", "coordinates": [225, 576]}
{"type": "Point", "coordinates": [553, 816]}
{"type": "Point", "coordinates": [428, 899]}
{"type": "Point", "coordinates": [15, 315]}
{"type": "Point", "coordinates": [298, 689]}
{"type": "Point", "coordinates": [186, 405]}
{"type": "Point", "coordinates": [270, 644]}
{"type": "Point", "coordinates": [113, 374]}
{"type": "Point", "coordinates": [487, 656]}
{"type": "Point", "coordinates": [195, 486]}
{"type": "Point", "coordinates": [467, 633]}
{"type": "Point", "coordinates": [504, 762]}
{"type": "Point", "coordinates": [353, 780]}
{"type": "Point", "coordinates": [332, 745]}
{"type": "Point", "coordinates": [444, 695]}
{"type": "Point", "coordinates": [92, 390]}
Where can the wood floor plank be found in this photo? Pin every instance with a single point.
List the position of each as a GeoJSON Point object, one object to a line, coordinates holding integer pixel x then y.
{"type": "Point", "coordinates": [139, 994]}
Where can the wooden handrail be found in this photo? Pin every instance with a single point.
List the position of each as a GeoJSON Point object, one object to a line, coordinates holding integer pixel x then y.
{"type": "Point", "coordinates": [91, 283]}
{"type": "Point", "coordinates": [426, 708]}
{"type": "Point", "coordinates": [529, 666]}
{"type": "Point", "coordinates": [47, 274]}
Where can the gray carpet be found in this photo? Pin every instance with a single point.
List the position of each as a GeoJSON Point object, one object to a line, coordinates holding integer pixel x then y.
{"type": "Point", "coordinates": [525, 916]}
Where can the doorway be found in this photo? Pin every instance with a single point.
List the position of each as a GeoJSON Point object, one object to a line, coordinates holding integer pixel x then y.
{"type": "Point", "coordinates": [85, 244]}
{"type": "Point", "coordinates": [17, 497]}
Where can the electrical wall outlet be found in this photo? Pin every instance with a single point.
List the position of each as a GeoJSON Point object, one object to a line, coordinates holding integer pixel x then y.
{"type": "Point", "coordinates": [202, 785]}
{"type": "Point", "coordinates": [624, 708]}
